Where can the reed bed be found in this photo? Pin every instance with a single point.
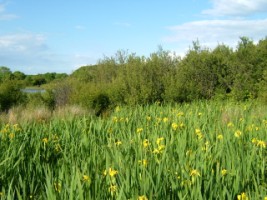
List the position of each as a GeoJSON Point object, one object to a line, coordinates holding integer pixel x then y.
{"type": "Point", "coordinates": [203, 150]}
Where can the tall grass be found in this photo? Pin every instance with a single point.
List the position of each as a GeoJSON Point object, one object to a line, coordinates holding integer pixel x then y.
{"type": "Point", "coordinates": [191, 151]}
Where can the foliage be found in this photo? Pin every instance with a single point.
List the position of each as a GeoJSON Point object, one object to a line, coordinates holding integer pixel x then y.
{"type": "Point", "coordinates": [203, 150]}
{"type": "Point", "coordinates": [10, 95]}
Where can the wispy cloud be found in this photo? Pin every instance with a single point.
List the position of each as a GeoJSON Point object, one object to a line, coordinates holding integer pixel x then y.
{"type": "Point", "coordinates": [30, 53]}
{"type": "Point", "coordinates": [122, 24]}
{"type": "Point", "coordinates": [4, 15]}
{"type": "Point", "coordinates": [236, 7]}
{"type": "Point", "coordinates": [212, 32]}
{"type": "Point", "coordinates": [22, 43]}
{"type": "Point", "coordinates": [80, 27]}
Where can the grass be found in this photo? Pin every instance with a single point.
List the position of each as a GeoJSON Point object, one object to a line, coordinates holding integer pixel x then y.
{"type": "Point", "coordinates": [203, 150]}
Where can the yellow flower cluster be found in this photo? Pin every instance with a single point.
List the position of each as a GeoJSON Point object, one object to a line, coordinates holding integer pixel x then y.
{"type": "Point", "coordinates": [175, 126]}
{"type": "Point", "coordinates": [143, 197]}
{"type": "Point", "coordinates": [111, 172]}
{"type": "Point", "coordinates": [242, 196]}
{"type": "Point", "coordinates": [160, 146]}
{"type": "Point", "coordinates": [259, 143]}
{"type": "Point", "coordinates": [199, 133]}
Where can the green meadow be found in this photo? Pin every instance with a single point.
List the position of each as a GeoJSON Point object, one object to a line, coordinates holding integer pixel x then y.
{"type": "Point", "coordinates": [201, 150]}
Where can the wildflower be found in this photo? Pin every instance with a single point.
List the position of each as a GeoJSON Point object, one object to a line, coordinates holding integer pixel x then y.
{"type": "Point", "coordinates": [139, 130]}
{"type": "Point", "coordinates": [161, 148]}
{"type": "Point", "coordinates": [58, 148]}
{"type": "Point", "coordinates": [254, 141]}
{"type": "Point", "coordinates": [146, 143]}
{"type": "Point", "coordinates": [111, 172]}
{"type": "Point", "coordinates": [11, 135]}
{"type": "Point", "coordinates": [224, 172]}
{"type": "Point", "coordinates": [156, 151]}
{"type": "Point", "coordinates": [220, 137]}
{"type": "Point", "coordinates": [238, 133]}
{"type": "Point", "coordinates": [148, 118]}
{"type": "Point", "coordinates": [143, 162]}
{"type": "Point", "coordinates": [261, 144]}
{"type": "Point", "coordinates": [159, 140]}
{"type": "Point", "coordinates": [115, 119]}
{"type": "Point", "coordinates": [199, 134]}
{"type": "Point", "coordinates": [265, 198]}
{"type": "Point", "coordinates": [45, 140]}
{"type": "Point", "coordinates": [181, 125]}
{"type": "Point", "coordinates": [117, 109]}
{"type": "Point", "coordinates": [230, 124]}
{"type": "Point", "coordinates": [85, 178]}
{"type": "Point", "coordinates": [180, 114]}
{"type": "Point", "coordinates": [165, 119]}
{"type": "Point", "coordinates": [112, 188]}
{"type": "Point", "coordinates": [118, 143]}
{"type": "Point", "coordinates": [57, 187]}
{"type": "Point", "coordinates": [174, 126]}
{"type": "Point", "coordinates": [199, 114]}
{"type": "Point", "coordinates": [194, 172]}
{"type": "Point", "coordinates": [242, 196]}
{"type": "Point", "coordinates": [143, 197]}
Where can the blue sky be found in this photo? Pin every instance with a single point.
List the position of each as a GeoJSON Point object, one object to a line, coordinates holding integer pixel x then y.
{"type": "Point", "coordinates": [62, 35]}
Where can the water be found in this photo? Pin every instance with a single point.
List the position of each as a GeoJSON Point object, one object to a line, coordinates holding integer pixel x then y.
{"type": "Point", "coordinates": [32, 91]}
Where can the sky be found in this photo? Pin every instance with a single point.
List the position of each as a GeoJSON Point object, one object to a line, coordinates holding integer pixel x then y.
{"type": "Point", "coordinates": [62, 35]}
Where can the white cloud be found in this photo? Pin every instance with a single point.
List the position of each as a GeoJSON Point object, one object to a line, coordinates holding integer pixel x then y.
{"type": "Point", "coordinates": [122, 24]}
{"type": "Point", "coordinates": [4, 15]}
{"type": "Point", "coordinates": [212, 32]}
{"type": "Point", "coordinates": [236, 7]}
{"type": "Point", "coordinates": [22, 43]}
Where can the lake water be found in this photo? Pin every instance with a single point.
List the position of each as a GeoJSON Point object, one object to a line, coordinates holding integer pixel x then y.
{"type": "Point", "coordinates": [31, 91]}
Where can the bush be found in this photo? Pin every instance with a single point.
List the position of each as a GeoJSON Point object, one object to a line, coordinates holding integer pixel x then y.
{"type": "Point", "coordinates": [10, 95]}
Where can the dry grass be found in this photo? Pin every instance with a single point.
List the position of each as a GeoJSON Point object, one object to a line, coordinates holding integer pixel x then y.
{"type": "Point", "coordinates": [21, 114]}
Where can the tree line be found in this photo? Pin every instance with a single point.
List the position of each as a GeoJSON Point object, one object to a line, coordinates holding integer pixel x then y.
{"type": "Point", "coordinates": [202, 74]}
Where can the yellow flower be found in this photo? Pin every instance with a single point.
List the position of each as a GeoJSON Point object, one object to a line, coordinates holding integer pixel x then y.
{"type": "Point", "coordinates": [254, 141]}
{"type": "Point", "coordinates": [45, 140]}
{"type": "Point", "coordinates": [11, 135]}
{"type": "Point", "coordinates": [194, 172]}
{"type": "Point", "coordinates": [238, 133]}
{"type": "Point", "coordinates": [58, 148]}
{"type": "Point", "coordinates": [165, 119]}
{"type": "Point", "coordinates": [112, 188]}
{"type": "Point", "coordinates": [180, 114]}
{"type": "Point", "coordinates": [199, 114]}
{"type": "Point", "coordinates": [143, 197]}
{"type": "Point", "coordinates": [242, 196]}
{"type": "Point", "coordinates": [57, 187]}
{"type": "Point", "coordinates": [230, 124]}
{"type": "Point", "coordinates": [118, 143]}
{"type": "Point", "coordinates": [174, 126]}
{"type": "Point", "coordinates": [111, 172]}
{"type": "Point", "coordinates": [159, 140]}
{"type": "Point", "coordinates": [265, 198]}
{"type": "Point", "coordinates": [146, 143]}
{"type": "Point", "coordinates": [117, 109]}
{"type": "Point", "coordinates": [220, 137]}
{"type": "Point", "coordinates": [115, 119]}
{"type": "Point", "coordinates": [199, 133]}
{"type": "Point", "coordinates": [261, 144]}
{"type": "Point", "coordinates": [139, 130]}
{"type": "Point", "coordinates": [85, 178]}
{"type": "Point", "coordinates": [143, 162]}
{"type": "Point", "coordinates": [224, 172]}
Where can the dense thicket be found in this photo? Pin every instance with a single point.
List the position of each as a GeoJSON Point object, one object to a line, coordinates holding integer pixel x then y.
{"type": "Point", "coordinates": [220, 73]}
